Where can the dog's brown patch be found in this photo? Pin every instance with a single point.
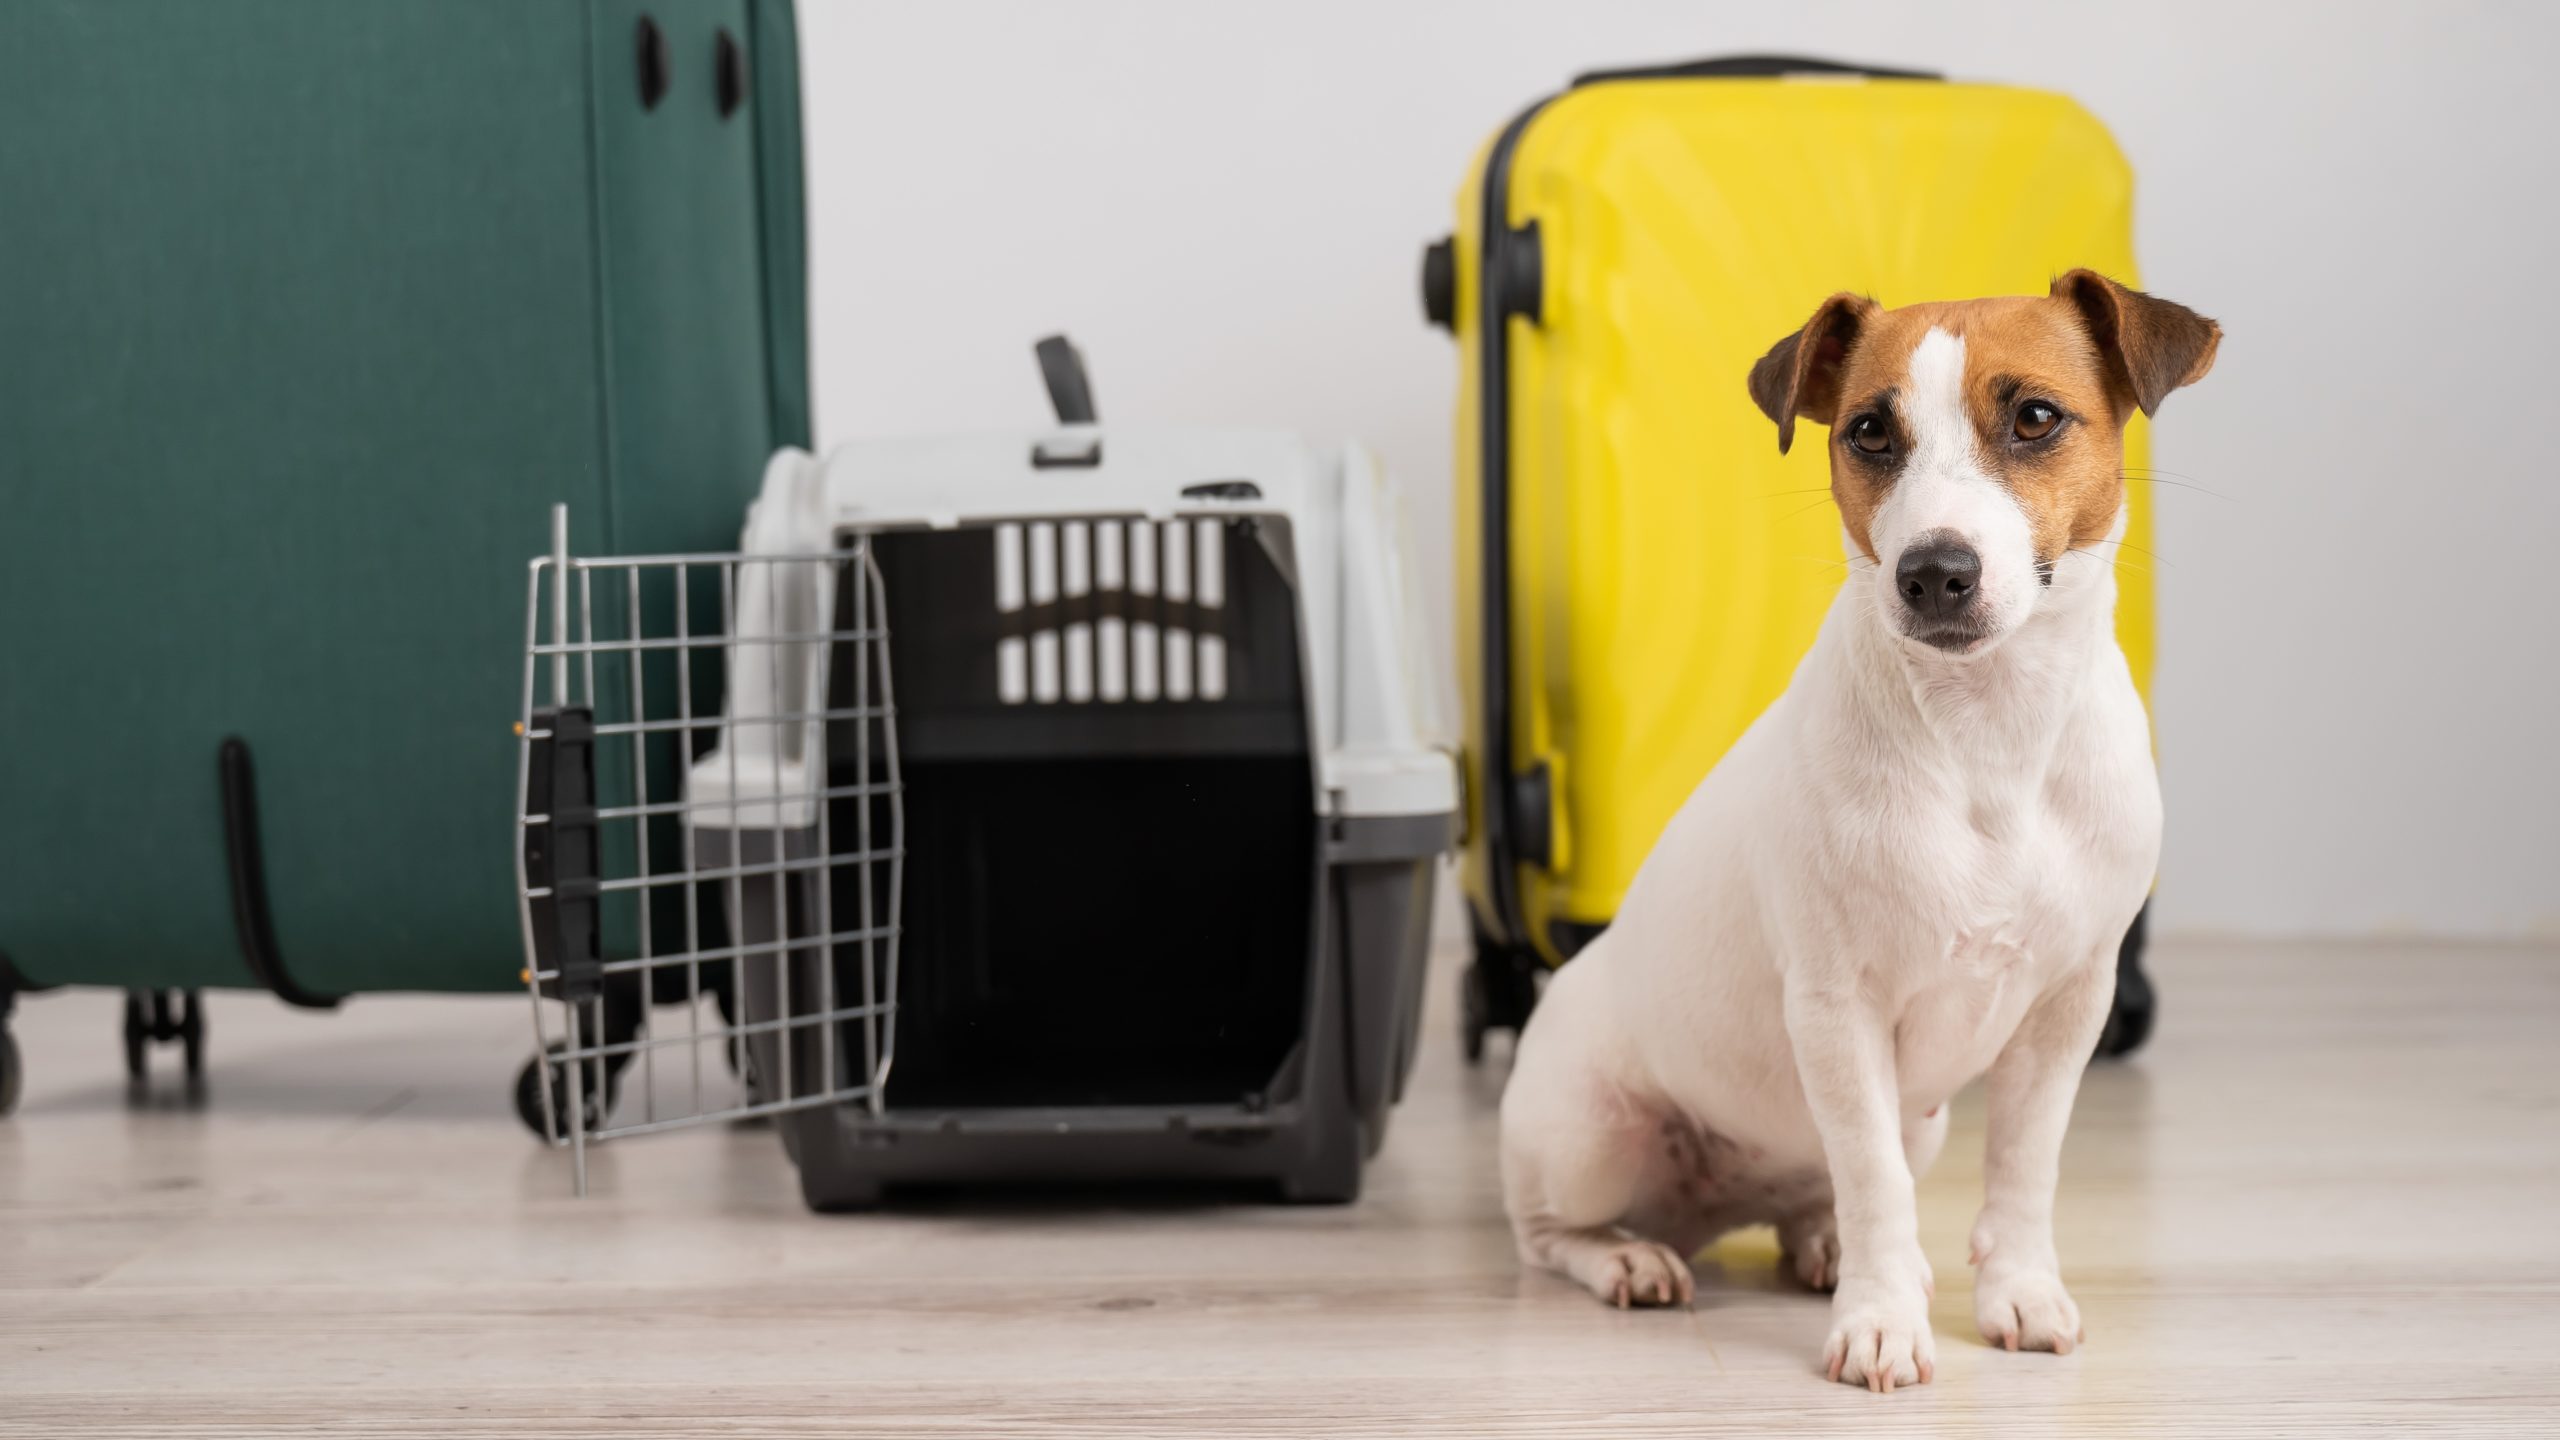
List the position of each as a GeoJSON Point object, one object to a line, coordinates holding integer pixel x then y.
{"type": "Point", "coordinates": [2091, 348]}
{"type": "Point", "coordinates": [1801, 373]}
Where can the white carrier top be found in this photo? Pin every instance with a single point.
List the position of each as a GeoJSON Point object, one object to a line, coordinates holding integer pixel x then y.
{"type": "Point", "coordinates": [1372, 671]}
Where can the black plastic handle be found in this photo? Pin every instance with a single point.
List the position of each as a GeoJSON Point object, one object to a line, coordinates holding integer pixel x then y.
{"type": "Point", "coordinates": [1070, 390]}
{"type": "Point", "coordinates": [1440, 283]}
{"type": "Point", "coordinates": [1752, 67]}
{"type": "Point", "coordinates": [728, 73]}
{"type": "Point", "coordinates": [250, 914]}
{"type": "Point", "coordinates": [650, 43]}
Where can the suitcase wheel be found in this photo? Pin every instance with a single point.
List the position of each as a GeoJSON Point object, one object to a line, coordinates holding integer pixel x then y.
{"type": "Point", "coordinates": [160, 1017]}
{"type": "Point", "coordinates": [1474, 1017]}
{"type": "Point", "coordinates": [603, 1086]}
{"type": "Point", "coordinates": [2129, 1022]}
{"type": "Point", "coordinates": [1497, 992]}
{"type": "Point", "coordinates": [2137, 1004]}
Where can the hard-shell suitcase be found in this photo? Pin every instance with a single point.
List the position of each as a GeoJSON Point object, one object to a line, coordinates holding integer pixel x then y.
{"type": "Point", "coordinates": [308, 311]}
{"type": "Point", "coordinates": [1639, 568]}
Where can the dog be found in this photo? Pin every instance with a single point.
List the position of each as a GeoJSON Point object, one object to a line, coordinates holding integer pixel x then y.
{"type": "Point", "coordinates": [1914, 869]}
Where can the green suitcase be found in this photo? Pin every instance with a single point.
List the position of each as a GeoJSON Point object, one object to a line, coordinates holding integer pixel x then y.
{"type": "Point", "coordinates": [309, 310]}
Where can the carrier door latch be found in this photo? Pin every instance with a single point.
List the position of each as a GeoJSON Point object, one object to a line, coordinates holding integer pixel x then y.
{"type": "Point", "coordinates": [560, 854]}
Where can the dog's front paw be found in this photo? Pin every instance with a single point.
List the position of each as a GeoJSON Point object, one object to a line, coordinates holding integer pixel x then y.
{"type": "Point", "coordinates": [1880, 1337]}
{"type": "Point", "coordinates": [2026, 1309]}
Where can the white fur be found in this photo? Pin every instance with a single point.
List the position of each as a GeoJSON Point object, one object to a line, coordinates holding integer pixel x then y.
{"type": "Point", "coordinates": [1911, 871]}
{"type": "Point", "coordinates": [1945, 486]}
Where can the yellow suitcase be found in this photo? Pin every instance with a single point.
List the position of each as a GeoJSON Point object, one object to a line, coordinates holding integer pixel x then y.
{"type": "Point", "coordinates": [1639, 569]}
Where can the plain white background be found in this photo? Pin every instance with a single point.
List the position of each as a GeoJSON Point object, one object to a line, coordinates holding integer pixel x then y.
{"type": "Point", "coordinates": [1224, 203]}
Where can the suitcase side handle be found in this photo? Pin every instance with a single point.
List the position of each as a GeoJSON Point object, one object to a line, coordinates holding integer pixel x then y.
{"type": "Point", "coordinates": [1751, 67]}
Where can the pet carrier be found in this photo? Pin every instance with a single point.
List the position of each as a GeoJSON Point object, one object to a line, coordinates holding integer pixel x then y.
{"type": "Point", "coordinates": [1639, 568]}
{"type": "Point", "coordinates": [1068, 811]}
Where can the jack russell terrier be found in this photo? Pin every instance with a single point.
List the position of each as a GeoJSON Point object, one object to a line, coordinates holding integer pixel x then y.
{"type": "Point", "coordinates": [1912, 870]}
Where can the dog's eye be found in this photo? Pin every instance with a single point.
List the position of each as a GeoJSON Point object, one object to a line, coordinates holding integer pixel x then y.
{"type": "Point", "coordinates": [1869, 435]}
{"type": "Point", "coordinates": [2036, 420]}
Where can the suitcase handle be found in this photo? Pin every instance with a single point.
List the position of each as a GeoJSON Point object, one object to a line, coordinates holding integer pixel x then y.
{"type": "Point", "coordinates": [1751, 67]}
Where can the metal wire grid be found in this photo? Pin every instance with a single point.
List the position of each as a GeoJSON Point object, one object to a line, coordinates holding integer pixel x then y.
{"type": "Point", "coordinates": [744, 863]}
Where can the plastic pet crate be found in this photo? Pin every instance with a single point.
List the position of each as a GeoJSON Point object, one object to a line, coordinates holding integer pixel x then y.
{"type": "Point", "coordinates": [1063, 807]}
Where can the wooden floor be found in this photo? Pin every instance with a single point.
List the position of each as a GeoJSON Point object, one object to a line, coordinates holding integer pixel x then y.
{"type": "Point", "coordinates": [2326, 1201]}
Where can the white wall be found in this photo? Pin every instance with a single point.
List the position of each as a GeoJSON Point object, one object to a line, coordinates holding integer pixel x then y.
{"type": "Point", "coordinates": [1223, 203]}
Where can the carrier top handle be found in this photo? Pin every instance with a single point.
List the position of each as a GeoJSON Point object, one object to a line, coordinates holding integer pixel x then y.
{"type": "Point", "coordinates": [1070, 389]}
{"type": "Point", "coordinates": [1071, 395]}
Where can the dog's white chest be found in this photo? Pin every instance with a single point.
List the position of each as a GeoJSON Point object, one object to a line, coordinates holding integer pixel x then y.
{"type": "Point", "coordinates": [1987, 954]}
{"type": "Point", "coordinates": [1957, 1013]}
{"type": "Point", "coordinates": [2011, 919]}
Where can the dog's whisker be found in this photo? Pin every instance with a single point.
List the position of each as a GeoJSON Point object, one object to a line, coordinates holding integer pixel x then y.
{"type": "Point", "coordinates": [2116, 559]}
{"type": "Point", "coordinates": [2091, 549]}
{"type": "Point", "coordinates": [1845, 562]}
{"type": "Point", "coordinates": [2161, 477]}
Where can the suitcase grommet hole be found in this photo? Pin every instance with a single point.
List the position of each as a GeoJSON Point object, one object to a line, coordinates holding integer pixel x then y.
{"type": "Point", "coordinates": [652, 63]}
{"type": "Point", "coordinates": [729, 73]}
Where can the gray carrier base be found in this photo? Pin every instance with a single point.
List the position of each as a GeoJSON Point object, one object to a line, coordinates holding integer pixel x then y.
{"type": "Point", "coordinates": [1324, 1113]}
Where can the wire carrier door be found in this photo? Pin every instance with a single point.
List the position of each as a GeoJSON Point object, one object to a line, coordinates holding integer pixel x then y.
{"type": "Point", "coordinates": [710, 818]}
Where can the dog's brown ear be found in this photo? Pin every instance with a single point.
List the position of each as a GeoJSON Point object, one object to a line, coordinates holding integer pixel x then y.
{"type": "Point", "coordinates": [2152, 346]}
{"type": "Point", "coordinates": [1801, 374]}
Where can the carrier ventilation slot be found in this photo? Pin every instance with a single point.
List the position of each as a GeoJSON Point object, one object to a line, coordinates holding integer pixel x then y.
{"type": "Point", "coordinates": [1111, 611]}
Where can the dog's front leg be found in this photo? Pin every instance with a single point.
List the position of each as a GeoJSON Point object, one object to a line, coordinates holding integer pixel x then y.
{"type": "Point", "coordinates": [2018, 1298]}
{"type": "Point", "coordinates": [1843, 1041]}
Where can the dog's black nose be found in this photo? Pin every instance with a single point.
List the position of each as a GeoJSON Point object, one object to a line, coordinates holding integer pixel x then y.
{"type": "Point", "coordinates": [1938, 576]}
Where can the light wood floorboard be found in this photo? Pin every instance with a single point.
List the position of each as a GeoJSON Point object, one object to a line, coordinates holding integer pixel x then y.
{"type": "Point", "coordinates": [2326, 1201]}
